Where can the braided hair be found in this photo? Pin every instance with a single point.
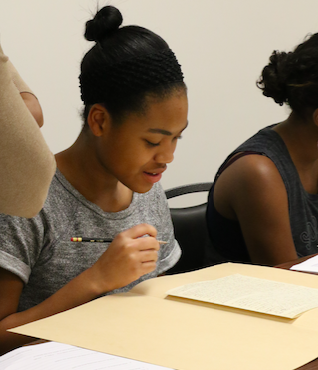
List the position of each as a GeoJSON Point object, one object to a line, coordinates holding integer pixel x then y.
{"type": "Point", "coordinates": [292, 78]}
{"type": "Point", "coordinates": [125, 66]}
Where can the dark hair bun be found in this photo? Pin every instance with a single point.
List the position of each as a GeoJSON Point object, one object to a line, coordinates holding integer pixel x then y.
{"type": "Point", "coordinates": [273, 80]}
{"type": "Point", "coordinates": [106, 21]}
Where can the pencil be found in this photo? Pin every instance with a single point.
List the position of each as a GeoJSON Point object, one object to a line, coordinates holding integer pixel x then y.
{"type": "Point", "coordinates": [100, 240]}
{"type": "Point", "coordinates": [92, 240]}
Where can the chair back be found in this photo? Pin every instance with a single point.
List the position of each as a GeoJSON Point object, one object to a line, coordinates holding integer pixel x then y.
{"type": "Point", "coordinates": [191, 231]}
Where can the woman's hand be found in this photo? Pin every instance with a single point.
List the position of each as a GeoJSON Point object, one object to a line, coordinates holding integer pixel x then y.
{"type": "Point", "coordinates": [132, 254]}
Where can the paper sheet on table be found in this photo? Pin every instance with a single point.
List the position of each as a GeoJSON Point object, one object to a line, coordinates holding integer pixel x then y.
{"type": "Point", "coordinates": [310, 265]}
{"type": "Point", "coordinates": [144, 326]}
{"type": "Point", "coordinates": [53, 356]}
{"type": "Point", "coordinates": [252, 294]}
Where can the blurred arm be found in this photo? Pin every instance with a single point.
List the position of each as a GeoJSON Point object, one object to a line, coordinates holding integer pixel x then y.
{"type": "Point", "coordinates": [26, 163]}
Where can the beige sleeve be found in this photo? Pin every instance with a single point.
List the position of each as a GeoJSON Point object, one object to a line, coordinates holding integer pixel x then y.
{"type": "Point", "coordinates": [17, 80]}
{"type": "Point", "coordinates": [26, 163]}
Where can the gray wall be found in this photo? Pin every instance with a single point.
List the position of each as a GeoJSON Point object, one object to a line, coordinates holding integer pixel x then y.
{"type": "Point", "coordinates": [222, 45]}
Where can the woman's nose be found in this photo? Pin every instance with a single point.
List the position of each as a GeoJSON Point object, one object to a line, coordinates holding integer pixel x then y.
{"type": "Point", "coordinates": [166, 155]}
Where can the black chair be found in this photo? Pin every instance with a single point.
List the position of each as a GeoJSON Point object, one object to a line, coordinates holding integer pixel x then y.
{"type": "Point", "coordinates": [191, 231]}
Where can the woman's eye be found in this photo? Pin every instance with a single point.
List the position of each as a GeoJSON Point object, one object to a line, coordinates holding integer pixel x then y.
{"type": "Point", "coordinates": [151, 143]}
{"type": "Point", "coordinates": [177, 137]}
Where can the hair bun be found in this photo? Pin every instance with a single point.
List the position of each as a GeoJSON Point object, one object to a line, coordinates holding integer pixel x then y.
{"type": "Point", "coordinates": [106, 21]}
{"type": "Point", "coordinates": [273, 80]}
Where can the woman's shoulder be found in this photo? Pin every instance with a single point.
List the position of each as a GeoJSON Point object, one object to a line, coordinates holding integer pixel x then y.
{"type": "Point", "coordinates": [252, 181]}
{"type": "Point", "coordinates": [262, 140]}
{"type": "Point", "coordinates": [251, 170]}
{"type": "Point", "coordinates": [262, 155]}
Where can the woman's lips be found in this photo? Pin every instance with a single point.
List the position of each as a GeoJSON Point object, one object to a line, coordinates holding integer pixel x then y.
{"type": "Point", "coordinates": [153, 177]}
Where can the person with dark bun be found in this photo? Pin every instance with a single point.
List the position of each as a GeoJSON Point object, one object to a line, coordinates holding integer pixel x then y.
{"type": "Point", "coordinates": [106, 185]}
{"type": "Point", "coordinates": [263, 207]}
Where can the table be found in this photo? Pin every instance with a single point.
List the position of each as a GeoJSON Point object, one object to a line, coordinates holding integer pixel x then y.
{"type": "Point", "coordinates": [313, 365]}
{"type": "Point", "coordinates": [310, 366]}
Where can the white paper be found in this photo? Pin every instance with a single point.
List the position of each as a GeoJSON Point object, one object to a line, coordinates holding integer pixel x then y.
{"type": "Point", "coordinates": [310, 265]}
{"type": "Point", "coordinates": [58, 356]}
{"type": "Point", "coordinates": [253, 294]}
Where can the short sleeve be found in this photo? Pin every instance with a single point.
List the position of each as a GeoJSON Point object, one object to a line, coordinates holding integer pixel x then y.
{"type": "Point", "coordinates": [169, 253]}
{"type": "Point", "coordinates": [21, 242]}
{"type": "Point", "coordinates": [17, 80]}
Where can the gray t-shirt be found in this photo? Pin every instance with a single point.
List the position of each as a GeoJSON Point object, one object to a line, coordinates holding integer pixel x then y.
{"type": "Point", "coordinates": [39, 250]}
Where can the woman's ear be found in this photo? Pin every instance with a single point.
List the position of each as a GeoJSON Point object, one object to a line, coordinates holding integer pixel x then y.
{"type": "Point", "coordinates": [98, 119]}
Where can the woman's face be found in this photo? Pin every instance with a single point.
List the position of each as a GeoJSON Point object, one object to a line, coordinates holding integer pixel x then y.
{"type": "Point", "coordinates": [137, 151]}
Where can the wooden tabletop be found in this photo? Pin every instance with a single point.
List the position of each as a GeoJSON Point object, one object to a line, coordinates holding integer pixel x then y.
{"type": "Point", "coordinates": [313, 365]}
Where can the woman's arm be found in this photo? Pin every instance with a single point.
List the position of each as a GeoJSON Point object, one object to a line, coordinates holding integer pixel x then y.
{"type": "Point", "coordinates": [33, 106]}
{"type": "Point", "coordinates": [30, 100]}
{"type": "Point", "coordinates": [26, 163]}
{"type": "Point", "coordinates": [128, 257]}
{"type": "Point", "coordinates": [252, 191]}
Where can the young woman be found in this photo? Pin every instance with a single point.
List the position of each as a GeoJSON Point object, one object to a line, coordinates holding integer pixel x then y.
{"type": "Point", "coordinates": [263, 207]}
{"type": "Point", "coordinates": [26, 163]}
{"type": "Point", "coordinates": [106, 184]}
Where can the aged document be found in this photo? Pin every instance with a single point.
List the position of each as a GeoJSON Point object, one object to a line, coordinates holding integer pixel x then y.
{"type": "Point", "coordinates": [252, 294]}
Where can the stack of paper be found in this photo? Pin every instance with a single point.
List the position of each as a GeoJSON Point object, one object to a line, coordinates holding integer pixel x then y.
{"type": "Point", "coordinates": [58, 356]}
{"type": "Point", "coordinates": [310, 265]}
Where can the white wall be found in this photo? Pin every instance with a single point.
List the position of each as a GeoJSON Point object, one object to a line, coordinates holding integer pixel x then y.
{"type": "Point", "coordinates": [222, 45]}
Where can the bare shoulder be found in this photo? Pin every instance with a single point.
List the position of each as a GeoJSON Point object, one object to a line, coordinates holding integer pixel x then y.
{"type": "Point", "coordinates": [250, 171]}
{"type": "Point", "coordinates": [251, 177]}
{"type": "Point", "coordinates": [251, 190]}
